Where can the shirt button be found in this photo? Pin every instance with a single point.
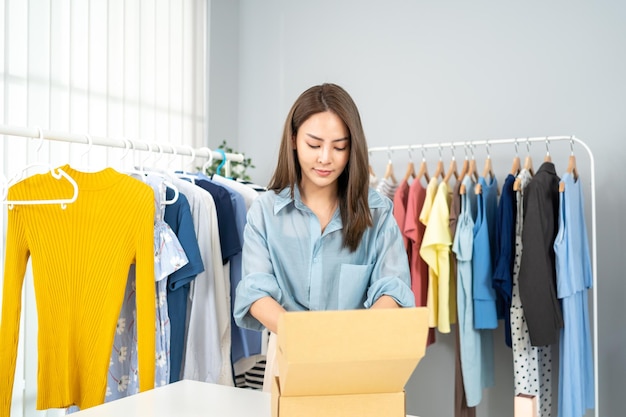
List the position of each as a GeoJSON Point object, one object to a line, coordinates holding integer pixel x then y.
{"type": "Point", "coordinates": [315, 260]}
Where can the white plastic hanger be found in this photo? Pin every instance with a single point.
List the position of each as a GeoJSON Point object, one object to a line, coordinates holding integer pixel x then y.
{"type": "Point", "coordinates": [57, 173]}
{"type": "Point", "coordinates": [185, 175]}
{"type": "Point", "coordinates": [141, 172]}
{"type": "Point", "coordinates": [208, 163]}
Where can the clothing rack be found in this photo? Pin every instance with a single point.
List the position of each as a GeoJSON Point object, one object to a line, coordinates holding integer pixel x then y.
{"type": "Point", "coordinates": [528, 140]}
{"type": "Point", "coordinates": [124, 143]}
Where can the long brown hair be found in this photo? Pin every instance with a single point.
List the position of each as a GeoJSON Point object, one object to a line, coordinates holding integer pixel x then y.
{"type": "Point", "coordinates": [353, 183]}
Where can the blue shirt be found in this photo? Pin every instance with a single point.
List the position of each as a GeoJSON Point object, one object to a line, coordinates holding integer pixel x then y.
{"type": "Point", "coordinates": [574, 279]}
{"type": "Point", "coordinates": [485, 315]}
{"type": "Point", "coordinates": [505, 252]}
{"type": "Point", "coordinates": [178, 217]}
{"type": "Point", "coordinates": [476, 346]}
{"type": "Point", "coordinates": [286, 257]}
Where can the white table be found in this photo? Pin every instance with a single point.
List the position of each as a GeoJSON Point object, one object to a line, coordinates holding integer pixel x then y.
{"type": "Point", "coordinates": [187, 399]}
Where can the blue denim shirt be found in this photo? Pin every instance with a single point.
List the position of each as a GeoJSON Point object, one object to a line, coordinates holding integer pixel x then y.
{"type": "Point", "coordinates": [286, 257]}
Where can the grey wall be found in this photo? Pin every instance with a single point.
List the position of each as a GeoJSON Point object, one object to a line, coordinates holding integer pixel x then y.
{"type": "Point", "coordinates": [423, 72]}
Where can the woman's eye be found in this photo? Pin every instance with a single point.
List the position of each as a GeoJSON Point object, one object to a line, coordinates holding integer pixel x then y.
{"type": "Point", "coordinates": [313, 146]}
{"type": "Point", "coordinates": [341, 149]}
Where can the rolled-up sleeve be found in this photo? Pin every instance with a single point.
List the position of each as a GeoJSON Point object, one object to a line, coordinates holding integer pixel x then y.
{"type": "Point", "coordinates": [391, 275]}
{"type": "Point", "coordinates": [258, 279]}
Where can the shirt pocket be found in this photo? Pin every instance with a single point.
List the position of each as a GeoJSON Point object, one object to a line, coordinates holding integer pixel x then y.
{"type": "Point", "coordinates": [353, 284]}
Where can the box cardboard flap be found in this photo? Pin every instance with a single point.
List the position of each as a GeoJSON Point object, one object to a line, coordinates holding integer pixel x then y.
{"type": "Point", "coordinates": [349, 351]}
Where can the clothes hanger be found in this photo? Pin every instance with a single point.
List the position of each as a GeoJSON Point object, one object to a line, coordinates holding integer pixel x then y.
{"type": "Point", "coordinates": [185, 176]}
{"type": "Point", "coordinates": [528, 165]}
{"type": "Point", "coordinates": [571, 165]}
{"type": "Point", "coordinates": [452, 169]}
{"type": "Point", "coordinates": [439, 170]}
{"type": "Point", "coordinates": [57, 173]}
{"type": "Point", "coordinates": [142, 172]}
{"type": "Point", "coordinates": [389, 170]}
{"type": "Point", "coordinates": [472, 169]}
{"type": "Point", "coordinates": [218, 170]}
{"type": "Point", "coordinates": [547, 158]}
{"type": "Point", "coordinates": [167, 178]}
{"type": "Point", "coordinates": [208, 163]}
{"type": "Point", "coordinates": [128, 144]}
{"type": "Point", "coordinates": [423, 171]}
{"type": "Point", "coordinates": [487, 170]}
{"type": "Point", "coordinates": [515, 168]}
{"type": "Point", "coordinates": [410, 169]}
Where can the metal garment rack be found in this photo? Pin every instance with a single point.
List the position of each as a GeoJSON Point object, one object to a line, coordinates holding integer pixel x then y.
{"type": "Point", "coordinates": [594, 256]}
{"type": "Point", "coordinates": [124, 143]}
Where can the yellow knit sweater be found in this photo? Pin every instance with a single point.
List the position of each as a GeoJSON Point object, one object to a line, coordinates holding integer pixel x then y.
{"type": "Point", "coordinates": [80, 260]}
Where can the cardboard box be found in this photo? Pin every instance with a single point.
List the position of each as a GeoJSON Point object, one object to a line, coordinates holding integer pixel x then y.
{"type": "Point", "coordinates": [347, 360]}
{"type": "Point", "coordinates": [349, 405]}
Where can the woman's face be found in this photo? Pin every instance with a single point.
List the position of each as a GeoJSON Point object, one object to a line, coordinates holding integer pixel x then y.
{"type": "Point", "coordinates": [322, 144]}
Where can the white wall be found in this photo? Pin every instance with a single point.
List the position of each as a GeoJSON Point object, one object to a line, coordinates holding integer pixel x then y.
{"type": "Point", "coordinates": [423, 72]}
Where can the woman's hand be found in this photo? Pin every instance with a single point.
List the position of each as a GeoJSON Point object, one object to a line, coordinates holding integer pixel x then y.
{"type": "Point", "coordinates": [385, 301]}
{"type": "Point", "coordinates": [267, 311]}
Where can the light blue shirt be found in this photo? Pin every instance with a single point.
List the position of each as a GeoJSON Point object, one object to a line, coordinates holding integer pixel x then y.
{"type": "Point", "coordinates": [476, 346]}
{"type": "Point", "coordinates": [286, 257]}
{"type": "Point", "coordinates": [574, 278]}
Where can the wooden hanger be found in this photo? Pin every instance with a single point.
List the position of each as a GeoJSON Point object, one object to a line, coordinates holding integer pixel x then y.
{"type": "Point", "coordinates": [528, 165]}
{"type": "Point", "coordinates": [472, 170]}
{"type": "Point", "coordinates": [547, 158]}
{"type": "Point", "coordinates": [488, 169]}
{"type": "Point", "coordinates": [517, 165]}
{"type": "Point", "coordinates": [452, 169]}
{"type": "Point", "coordinates": [440, 170]}
{"type": "Point", "coordinates": [389, 170]}
{"type": "Point", "coordinates": [452, 172]}
{"type": "Point", "coordinates": [571, 166]}
{"type": "Point", "coordinates": [423, 171]}
{"type": "Point", "coordinates": [410, 169]}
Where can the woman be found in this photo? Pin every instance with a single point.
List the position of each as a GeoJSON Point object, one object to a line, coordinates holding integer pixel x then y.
{"type": "Point", "coordinates": [320, 238]}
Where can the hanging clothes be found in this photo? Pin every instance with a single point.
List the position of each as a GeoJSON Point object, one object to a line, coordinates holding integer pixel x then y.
{"type": "Point", "coordinates": [461, 409]}
{"type": "Point", "coordinates": [485, 314]}
{"type": "Point", "coordinates": [505, 252]}
{"type": "Point", "coordinates": [537, 270]}
{"type": "Point", "coordinates": [574, 279]}
{"type": "Point", "coordinates": [245, 343]}
{"type": "Point", "coordinates": [169, 256]}
{"type": "Point", "coordinates": [400, 200]}
{"type": "Point", "coordinates": [180, 218]}
{"type": "Point", "coordinates": [80, 258]}
{"type": "Point", "coordinates": [230, 246]}
{"type": "Point", "coordinates": [476, 346]}
{"type": "Point", "coordinates": [414, 232]}
{"type": "Point", "coordinates": [532, 365]}
{"type": "Point", "coordinates": [435, 251]}
{"type": "Point", "coordinates": [202, 307]}
{"type": "Point", "coordinates": [387, 186]}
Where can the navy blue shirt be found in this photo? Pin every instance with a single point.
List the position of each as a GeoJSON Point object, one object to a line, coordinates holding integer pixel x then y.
{"type": "Point", "coordinates": [505, 254]}
{"type": "Point", "coordinates": [230, 242]}
{"type": "Point", "coordinates": [178, 217]}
